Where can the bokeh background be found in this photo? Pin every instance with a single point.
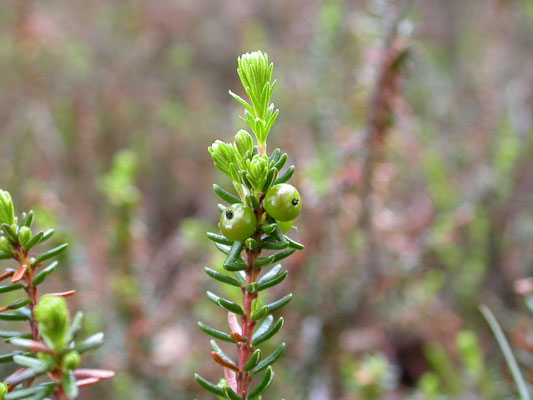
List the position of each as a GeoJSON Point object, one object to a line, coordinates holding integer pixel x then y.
{"type": "Point", "coordinates": [410, 124]}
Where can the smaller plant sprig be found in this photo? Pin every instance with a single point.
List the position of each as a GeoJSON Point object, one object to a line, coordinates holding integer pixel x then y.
{"type": "Point", "coordinates": [254, 221]}
{"type": "Point", "coordinates": [51, 347]}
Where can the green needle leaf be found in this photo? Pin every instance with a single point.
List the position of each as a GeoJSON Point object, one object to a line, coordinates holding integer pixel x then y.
{"type": "Point", "coordinates": [228, 197]}
{"type": "Point", "coordinates": [41, 276]}
{"type": "Point", "coordinates": [75, 327]}
{"type": "Point", "coordinates": [222, 277]}
{"type": "Point", "coordinates": [10, 233]}
{"type": "Point", "coordinates": [272, 282]}
{"type": "Point", "coordinates": [271, 359]}
{"type": "Point", "coordinates": [263, 385]}
{"type": "Point", "coordinates": [265, 326]}
{"type": "Point", "coordinates": [271, 177]}
{"type": "Point", "coordinates": [5, 358]}
{"type": "Point", "coordinates": [213, 297]}
{"type": "Point", "coordinates": [231, 395]}
{"type": "Point", "coordinates": [50, 253]}
{"type": "Point", "coordinates": [38, 392]}
{"type": "Point", "coordinates": [268, 228]}
{"type": "Point", "coordinates": [253, 361]}
{"type": "Point", "coordinates": [30, 362]}
{"type": "Point", "coordinates": [274, 258]}
{"type": "Point", "coordinates": [235, 252]}
{"type": "Point", "coordinates": [241, 276]}
{"type": "Point", "coordinates": [270, 274]}
{"type": "Point", "coordinates": [34, 241]}
{"type": "Point", "coordinates": [281, 163]}
{"type": "Point", "coordinates": [283, 254]}
{"type": "Point", "coordinates": [47, 235]}
{"type": "Point", "coordinates": [92, 342]}
{"type": "Point", "coordinates": [280, 303]}
{"type": "Point", "coordinates": [275, 156]}
{"type": "Point", "coordinates": [68, 382]}
{"type": "Point", "coordinates": [27, 220]}
{"type": "Point", "coordinates": [285, 176]}
{"type": "Point", "coordinates": [270, 245]}
{"type": "Point", "coordinates": [230, 306]}
{"type": "Point", "coordinates": [14, 334]}
{"type": "Point", "coordinates": [256, 316]}
{"type": "Point", "coordinates": [13, 317]}
{"type": "Point", "coordinates": [234, 267]}
{"type": "Point", "coordinates": [241, 101]}
{"type": "Point", "coordinates": [10, 288]}
{"type": "Point", "coordinates": [269, 333]}
{"type": "Point", "coordinates": [223, 248]}
{"type": "Point", "coordinates": [226, 304]}
{"type": "Point", "coordinates": [219, 239]}
{"type": "Point", "coordinates": [18, 304]}
{"type": "Point", "coordinates": [293, 244]}
{"type": "Point", "coordinates": [215, 333]}
{"type": "Point", "coordinates": [210, 387]}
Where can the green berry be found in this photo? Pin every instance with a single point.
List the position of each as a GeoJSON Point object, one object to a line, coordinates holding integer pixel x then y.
{"type": "Point", "coordinates": [283, 202]}
{"type": "Point", "coordinates": [238, 222]}
{"type": "Point", "coordinates": [285, 226]}
{"type": "Point", "coordinates": [72, 360]}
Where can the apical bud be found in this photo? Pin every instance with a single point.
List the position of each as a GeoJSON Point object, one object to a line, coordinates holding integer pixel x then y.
{"type": "Point", "coordinates": [254, 70]}
{"type": "Point", "coordinates": [7, 210]}
{"type": "Point", "coordinates": [3, 390]}
{"type": "Point", "coordinates": [223, 155]}
{"type": "Point", "coordinates": [243, 143]}
{"type": "Point", "coordinates": [24, 234]}
{"type": "Point", "coordinates": [257, 169]}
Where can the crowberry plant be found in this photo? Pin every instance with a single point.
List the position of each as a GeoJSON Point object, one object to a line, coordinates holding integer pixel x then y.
{"type": "Point", "coordinates": [51, 347]}
{"type": "Point", "coordinates": [254, 221]}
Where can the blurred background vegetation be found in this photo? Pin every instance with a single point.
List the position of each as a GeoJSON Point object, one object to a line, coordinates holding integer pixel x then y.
{"type": "Point", "coordinates": [411, 125]}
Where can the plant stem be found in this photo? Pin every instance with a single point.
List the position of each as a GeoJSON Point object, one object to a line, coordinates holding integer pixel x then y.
{"type": "Point", "coordinates": [31, 291]}
{"type": "Point", "coordinates": [59, 394]}
{"type": "Point", "coordinates": [246, 348]}
{"type": "Point", "coordinates": [32, 294]}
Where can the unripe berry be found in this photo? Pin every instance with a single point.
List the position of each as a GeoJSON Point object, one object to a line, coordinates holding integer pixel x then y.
{"type": "Point", "coordinates": [283, 202]}
{"type": "Point", "coordinates": [72, 360]}
{"type": "Point", "coordinates": [285, 226]}
{"type": "Point", "coordinates": [238, 222]}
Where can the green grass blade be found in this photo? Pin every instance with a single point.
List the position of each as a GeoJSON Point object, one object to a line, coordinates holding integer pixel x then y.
{"type": "Point", "coordinates": [507, 352]}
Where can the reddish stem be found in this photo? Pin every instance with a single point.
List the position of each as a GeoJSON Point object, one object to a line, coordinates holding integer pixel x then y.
{"type": "Point", "coordinates": [24, 260]}
{"type": "Point", "coordinates": [246, 348]}
{"type": "Point", "coordinates": [31, 291]}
